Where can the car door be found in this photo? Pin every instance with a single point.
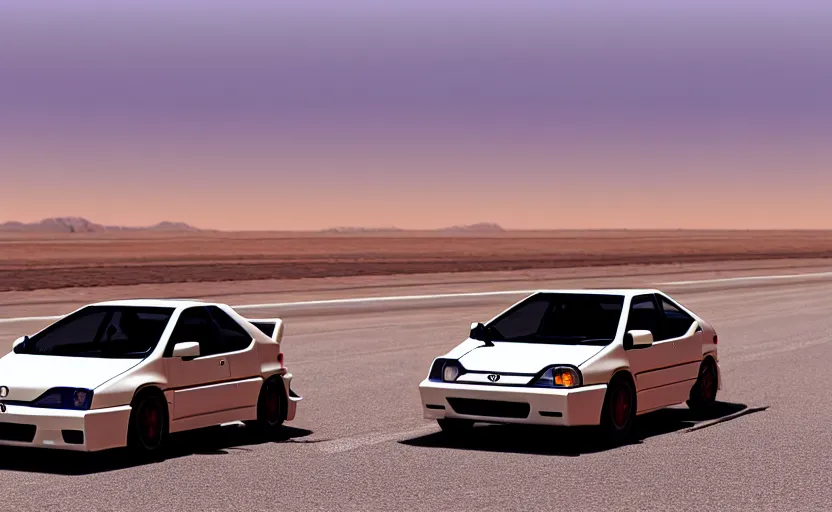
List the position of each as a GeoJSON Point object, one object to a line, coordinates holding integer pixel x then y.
{"type": "Point", "coordinates": [200, 384]}
{"type": "Point", "coordinates": [655, 367]}
{"type": "Point", "coordinates": [687, 341]}
{"type": "Point", "coordinates": [240, 350]}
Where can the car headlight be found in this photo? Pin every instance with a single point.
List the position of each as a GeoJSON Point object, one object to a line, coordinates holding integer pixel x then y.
{"type": "Point", "coordinates": [559, 377]}
{"type": "Point", "coordinates": [450, 372]}
{"type": "Point", "coordinates": [65, 398]}
{"type": "Point", "coordinates": [446, 370]}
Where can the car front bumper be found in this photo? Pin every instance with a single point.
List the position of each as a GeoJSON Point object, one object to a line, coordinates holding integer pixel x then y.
{"type": "Point", "coordinates": [86, 431]}
{"type": "Point", "coordinates": [509, 404]}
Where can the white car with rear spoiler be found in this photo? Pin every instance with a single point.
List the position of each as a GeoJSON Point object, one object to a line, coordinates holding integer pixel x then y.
{"type": "Point", "coordinates": [129, 373]}
{"type": "Point", "coordinates": [576, 357]}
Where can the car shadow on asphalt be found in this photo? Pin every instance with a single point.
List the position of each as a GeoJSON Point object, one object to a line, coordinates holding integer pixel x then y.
{"type": "Point", "coordinates": [574, 441]}
{"type": "Point", "coordinates": [208, 441]}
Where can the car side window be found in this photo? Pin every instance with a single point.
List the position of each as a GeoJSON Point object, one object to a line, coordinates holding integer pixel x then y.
{"type": "Point", "coordinates": [644, 316]}
{"type": "Point", "coordinates": [231, 335]}
{"type": "Point", "coordinates": [194, 324]}
{"type": "Point", "coordinates": [677, 322]}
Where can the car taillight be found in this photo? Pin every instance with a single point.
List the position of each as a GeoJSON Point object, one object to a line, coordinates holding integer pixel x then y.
{"type": "Point", "coordinates": [716, 339]}
{"type": "Point", "coordinates": [280, 358]}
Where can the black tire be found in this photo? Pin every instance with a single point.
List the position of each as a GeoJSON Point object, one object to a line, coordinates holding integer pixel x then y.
{"type": "Point", "coordinates": [148, 429]}
{"type": "Point", "coordinates": [455, 426]}
{"type": "Point", "coordinates": [703, 393]}
{"type": "Point", "coordinates": [618, 416]}
{"type": "Point", "coordinates": [272, 406]}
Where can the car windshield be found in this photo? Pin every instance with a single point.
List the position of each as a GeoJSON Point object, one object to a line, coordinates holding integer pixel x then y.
{"type": "Point", "coordinates": [118, 332]}
{"type": "Point", "coordinates": [560, 318]}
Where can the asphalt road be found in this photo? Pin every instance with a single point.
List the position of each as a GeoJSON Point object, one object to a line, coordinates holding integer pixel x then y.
{"type": "Point", "coordinates": [359, 442]}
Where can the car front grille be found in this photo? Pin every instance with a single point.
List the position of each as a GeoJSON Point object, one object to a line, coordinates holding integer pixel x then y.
{"type": "Point", "coordinates": [489, 408]}
{"type": "Point", "coordinates": [17, 432]}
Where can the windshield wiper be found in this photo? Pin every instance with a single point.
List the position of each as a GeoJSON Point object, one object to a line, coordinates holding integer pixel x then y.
{"type": "Point", "coordinates": [594, 340]}
{"type": "Point", "coordinates": [559, 340]}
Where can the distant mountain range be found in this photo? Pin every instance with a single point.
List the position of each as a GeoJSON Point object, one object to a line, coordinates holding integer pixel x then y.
{"type": "Point", "coordinates": [358, 230]}
{"type": "Point", "coordinates": [482, 227]}
{"type": "Point", "coordinates": [82, 225]}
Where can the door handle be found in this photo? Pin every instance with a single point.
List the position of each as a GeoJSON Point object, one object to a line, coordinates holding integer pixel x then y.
{"type": "Point", "coordinates": [222, 362]}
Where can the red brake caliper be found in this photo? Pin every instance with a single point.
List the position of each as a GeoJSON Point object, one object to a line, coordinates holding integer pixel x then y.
{"type": "Point", "coordinates": [621, 408]}
{"type": "Point", "coordinates": [151, 417]}
{"type": "Point", "coordinates": [272, 403]}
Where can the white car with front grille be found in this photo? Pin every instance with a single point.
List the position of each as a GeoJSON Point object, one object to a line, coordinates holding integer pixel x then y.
{"type": "Point", "coordinates": [576, 357]}
{"type": "Point", "coordinates": [129, 373]}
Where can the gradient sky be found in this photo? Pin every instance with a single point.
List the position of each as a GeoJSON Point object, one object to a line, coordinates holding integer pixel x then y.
{"type": "Point", "coordinates": [418, 114]}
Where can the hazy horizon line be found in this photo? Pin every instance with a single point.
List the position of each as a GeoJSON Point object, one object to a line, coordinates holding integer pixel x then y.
{"type": "Point", "coordinates": [483, 228]}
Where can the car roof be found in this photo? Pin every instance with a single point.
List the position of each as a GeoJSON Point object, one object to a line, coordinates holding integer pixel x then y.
{"type": "Point", "coordinates": [627, 292]}
{"type": "Point", "coordinates": [155, 303]}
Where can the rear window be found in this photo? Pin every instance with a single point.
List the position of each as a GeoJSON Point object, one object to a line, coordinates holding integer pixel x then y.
{"type": "Point", "coordinates": [560, 319]}
{"type": "Point", "coordinates": [118, 332]}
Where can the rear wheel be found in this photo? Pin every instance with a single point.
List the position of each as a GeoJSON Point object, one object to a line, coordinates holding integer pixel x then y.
{"type": "Point", "coordinates": [271, 406]}
{"type": "Point", "coordinates": [703, 393]}
{"type": "Point", "coordinates": [148, 429]}
{"type": "Point", "coordinates": [619, 412]}
{"type": "Point", "coordinates": [455, 426]}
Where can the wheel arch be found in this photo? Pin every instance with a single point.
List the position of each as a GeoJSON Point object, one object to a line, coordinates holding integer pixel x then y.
{"type": "Point", "coordinates": [133, 437]}
{"type": "Point", "coordinates": [621, 374]}
{"type": "Point", "coordinates": [152, 389]}
{"type": "Point", "coordinates": [624, 373]}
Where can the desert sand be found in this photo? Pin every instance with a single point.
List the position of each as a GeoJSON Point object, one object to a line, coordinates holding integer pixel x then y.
{"type": "Point", "coordinates": [30, 261]}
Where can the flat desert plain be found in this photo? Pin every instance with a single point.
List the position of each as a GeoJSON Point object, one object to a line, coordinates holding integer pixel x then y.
{"type": "Point", "coordinates": [50, 261]}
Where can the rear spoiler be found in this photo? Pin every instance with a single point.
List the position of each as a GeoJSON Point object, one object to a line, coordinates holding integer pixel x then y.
{"type": "Point", "coordinates": [271, 327]}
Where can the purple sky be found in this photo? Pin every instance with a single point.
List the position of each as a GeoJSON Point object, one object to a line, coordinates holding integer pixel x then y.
{"type": "Point", "coordinates": [549, 114]}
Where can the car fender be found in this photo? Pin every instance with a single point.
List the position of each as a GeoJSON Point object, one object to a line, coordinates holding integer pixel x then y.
{"type": "Point", "coordinates": [121, 389]}
{"type": "Point", "coordinates": [600, 368]}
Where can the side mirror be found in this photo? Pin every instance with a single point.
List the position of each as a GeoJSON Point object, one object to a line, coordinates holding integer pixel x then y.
{"type": "Point", "coordinates": [18, 342]}
{"type": "Point", "coordinates": [637, 339]}
{"type": "Point", "coordinates": [186, 350]}
{"type": "Point", "coordinates": [480, 332]}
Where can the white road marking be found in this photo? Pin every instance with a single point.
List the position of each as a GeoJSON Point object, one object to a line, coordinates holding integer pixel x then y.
{"type": "Point", "coordinates": [351, 443]}
{"type": "Point", "coordinates": [360, 300]}
{"type": "Point", "coordinates": [354, 300]}
{"type": "Point", "coordinates": [29, 319]}
{"type": "Point", "coordinates": [747, 278]}
{"type": "Point", "coordinates": [400, 298]}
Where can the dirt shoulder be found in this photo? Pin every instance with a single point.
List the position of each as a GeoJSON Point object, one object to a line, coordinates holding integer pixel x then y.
{"type": "Point", "coordinates": [29, 262]}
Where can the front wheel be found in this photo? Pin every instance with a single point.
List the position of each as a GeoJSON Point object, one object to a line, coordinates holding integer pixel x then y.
{"type": "Point", "coordinates": [148, 426]}
{"type": "Point", "coordinates": [619, 412]}
{"type": "Point", "coordinates": [703, 393]}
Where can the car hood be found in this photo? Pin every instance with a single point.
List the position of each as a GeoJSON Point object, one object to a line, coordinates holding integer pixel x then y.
{"type": "Point", "coordinates": [29, 376]}
{"type": "Point", "coordinates": [529, 358]}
